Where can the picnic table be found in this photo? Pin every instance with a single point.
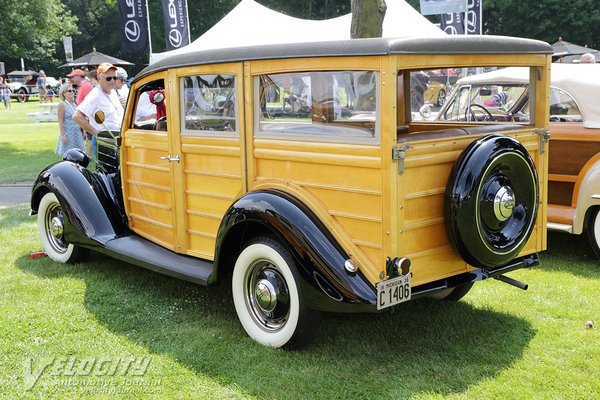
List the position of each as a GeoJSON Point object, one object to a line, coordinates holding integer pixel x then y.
{"type": "Point", "coordinates": [47, 112]}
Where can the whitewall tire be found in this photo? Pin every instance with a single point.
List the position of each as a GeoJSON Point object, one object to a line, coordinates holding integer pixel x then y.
{"type": "Point", "coordinates": [267, 299]}
{"type": "Point", "coordinates": [51, 229]}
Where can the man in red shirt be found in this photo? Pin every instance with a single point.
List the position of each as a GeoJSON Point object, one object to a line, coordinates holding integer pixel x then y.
{"type": "Point", "coordinates": [77, 78]}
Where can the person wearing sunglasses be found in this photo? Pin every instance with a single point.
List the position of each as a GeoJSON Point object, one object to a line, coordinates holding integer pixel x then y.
{"type": "Point", "coordinates": [104, 98]}
{"type": "Point", "coordinates": [70, 136]}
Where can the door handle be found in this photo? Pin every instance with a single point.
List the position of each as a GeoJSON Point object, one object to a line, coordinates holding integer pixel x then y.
{"type": "Point", "coordinates": [168, 157]}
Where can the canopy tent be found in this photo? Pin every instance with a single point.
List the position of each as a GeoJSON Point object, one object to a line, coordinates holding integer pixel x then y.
{"type": "Point", "coordinates": [95, 58]}
{"type": "Point", "coordinates": [564, 48]}
{"type": "Point", "coordinates": [250, 23]}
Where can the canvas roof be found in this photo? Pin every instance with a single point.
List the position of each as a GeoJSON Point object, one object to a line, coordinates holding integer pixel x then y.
{"type": "Point", "coordinates": [581, 81]}
{"type": "Point", "coordinates": [250, 24]}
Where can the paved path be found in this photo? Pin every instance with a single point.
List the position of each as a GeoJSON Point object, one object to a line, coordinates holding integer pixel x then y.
{"type": "Point", "coordinates": [15, 193]}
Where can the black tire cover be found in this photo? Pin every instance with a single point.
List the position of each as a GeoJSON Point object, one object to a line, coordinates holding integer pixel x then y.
{"type": "Point", "coordinates": [491, 201]}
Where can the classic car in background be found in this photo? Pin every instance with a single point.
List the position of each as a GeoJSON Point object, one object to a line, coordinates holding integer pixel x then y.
{"type": "Point", "coordinates": [323, 211]}
{"type": "Point", "coordinates": [574, 113]}
{"type": "Point", "coordinates": [23, 84]}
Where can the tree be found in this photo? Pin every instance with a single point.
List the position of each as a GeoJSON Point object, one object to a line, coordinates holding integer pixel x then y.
{"type": "Point", "coordinates": [577, 21]}
{"type": "Point", "coordinates": [367, 18]}
{"type": "Point", "coordinates": [31, 29]}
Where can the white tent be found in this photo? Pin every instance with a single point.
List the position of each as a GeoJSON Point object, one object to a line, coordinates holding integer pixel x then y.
{"type": "Point", "coordinates": [250, 23]}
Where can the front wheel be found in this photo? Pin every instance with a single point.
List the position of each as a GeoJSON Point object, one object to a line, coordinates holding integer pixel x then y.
{"type": "Point", "coordinates": [267, 299]}
{"type": "Point", "coordinates": [592, 228]}
{"type": "Point", "coordinates": [51, 229]}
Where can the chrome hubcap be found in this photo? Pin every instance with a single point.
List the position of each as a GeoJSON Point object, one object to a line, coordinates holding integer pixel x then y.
{"type": "Point", "coordinates": [266, 295]}
{"type": "Point", "coordinates": [56, 227]}
{"type": "Point", "coordinates": [504, 203]}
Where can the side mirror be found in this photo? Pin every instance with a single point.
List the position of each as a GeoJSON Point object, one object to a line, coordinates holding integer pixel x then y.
{"type": "Point", "coordinates": [158, 97]}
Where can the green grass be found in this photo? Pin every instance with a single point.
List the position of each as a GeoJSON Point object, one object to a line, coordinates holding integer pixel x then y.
{"type": "Point", "coordinates": [25, 147]}
{"type": "Point", "coordinates": [498, 343]}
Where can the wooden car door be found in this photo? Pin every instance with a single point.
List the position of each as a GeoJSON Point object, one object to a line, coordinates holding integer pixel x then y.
{"type": "Point", "coordinates": [206, 135]}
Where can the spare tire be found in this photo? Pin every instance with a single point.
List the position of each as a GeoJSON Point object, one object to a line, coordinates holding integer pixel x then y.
{"type": "Point", "coordinates": [491, 201]}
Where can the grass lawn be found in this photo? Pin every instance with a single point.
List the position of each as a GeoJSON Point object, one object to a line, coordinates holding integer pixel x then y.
{"type": "Point", "coordinates": [25, 147]}
{"type": "Point", "coordinates": [106, 329]}
{"type": "Point", "coordinates": [497, 343]}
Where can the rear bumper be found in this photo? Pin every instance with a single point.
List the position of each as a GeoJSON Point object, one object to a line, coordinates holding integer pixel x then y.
{"type": "Point", "coordinates": [474, 276]}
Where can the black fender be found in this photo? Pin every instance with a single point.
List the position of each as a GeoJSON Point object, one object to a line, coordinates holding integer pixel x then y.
{"type": "Point", "coordinates": [491, 201]}
{"type": "Point", "coordinates": [90, 200]}
{"type": "Point", "coordinates": [320, 259]}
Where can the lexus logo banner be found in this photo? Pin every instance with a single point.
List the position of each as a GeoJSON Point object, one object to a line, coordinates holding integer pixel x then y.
{"type": "Point", "coordinates": [453, 23]}
{"type": "Point", "coordinates": [133, 24]}
{"type": "Point", "coordinates": [175, 16]}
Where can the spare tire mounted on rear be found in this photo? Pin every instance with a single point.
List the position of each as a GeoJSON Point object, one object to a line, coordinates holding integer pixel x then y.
{"type": "Point", "coordinates": [491, 201]}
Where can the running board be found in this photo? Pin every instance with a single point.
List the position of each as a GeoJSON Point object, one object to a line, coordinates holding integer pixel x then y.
{"type": "Point", "coordinates": [139, 251]}
{"type": "Point", "coordinates": [553, 226]}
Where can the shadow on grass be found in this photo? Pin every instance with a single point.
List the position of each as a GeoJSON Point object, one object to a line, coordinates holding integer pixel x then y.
{"type": "Point", "coordinates": [570, 253]}
{"type": "Point", "coordinates": [423, 346]}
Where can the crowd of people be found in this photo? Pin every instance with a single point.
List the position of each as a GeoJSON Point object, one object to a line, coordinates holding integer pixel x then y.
{"type": "Point", "coordinates": [103, 89]}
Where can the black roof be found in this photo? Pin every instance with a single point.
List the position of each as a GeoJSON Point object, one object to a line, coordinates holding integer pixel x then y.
{"type": "Point", "coordinates": [457, 44]}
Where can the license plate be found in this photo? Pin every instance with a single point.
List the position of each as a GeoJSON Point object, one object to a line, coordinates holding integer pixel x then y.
{"type": "Point", "coordinates": [393, 291]}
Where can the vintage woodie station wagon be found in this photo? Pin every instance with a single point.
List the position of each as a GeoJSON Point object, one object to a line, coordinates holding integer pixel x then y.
{"type": "Point", "coordinates": [297, 173]}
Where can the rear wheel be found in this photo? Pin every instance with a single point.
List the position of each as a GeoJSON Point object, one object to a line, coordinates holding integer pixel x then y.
{"type": "Point", "coordinates": [51, 229]}
{"type": "Point", "coordinates": [22, 95]}
{"type": "Point", "coordinates": [441, 98]}
{"type": "Point", "coordinates": [592, 228]}
{"type": "Point", "coordinates": [267, 298]}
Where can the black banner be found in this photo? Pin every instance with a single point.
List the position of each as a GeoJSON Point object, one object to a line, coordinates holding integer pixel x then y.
{"type": "Point", "coordinates": [134, 26]}
{"type": "Point", "coordinates": [175, 17]}
{"type": "Point", "coordinates": [454, 24]}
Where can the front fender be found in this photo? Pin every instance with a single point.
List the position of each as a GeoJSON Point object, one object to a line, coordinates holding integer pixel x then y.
{"type": "Point", "coordinates": [91, 208]}
{"type": "Point", "coordinates": [587, 196]}
{"type": "Point", "coordinates": [326, 285]}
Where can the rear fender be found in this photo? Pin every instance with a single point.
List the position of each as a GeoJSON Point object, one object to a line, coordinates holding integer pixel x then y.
{"type": "Point", "coordinates": [326, 285]}
{"type": "Point", "coordinates": [90, 201]}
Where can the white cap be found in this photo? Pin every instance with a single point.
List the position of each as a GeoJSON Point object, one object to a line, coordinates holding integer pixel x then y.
{"type": "Point", "coordinates": [121, 73]}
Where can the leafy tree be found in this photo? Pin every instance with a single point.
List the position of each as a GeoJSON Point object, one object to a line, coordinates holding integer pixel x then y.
{"type": "Point", "coordinates": [577, 21]}
{"type": "Point", "coordinates": [31, 29]}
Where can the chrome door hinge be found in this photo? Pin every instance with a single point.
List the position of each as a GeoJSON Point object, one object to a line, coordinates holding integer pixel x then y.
{"type": "Point", "coordinates": [544, 138]}
{"type": "Point", "coordinates": [398, 154]}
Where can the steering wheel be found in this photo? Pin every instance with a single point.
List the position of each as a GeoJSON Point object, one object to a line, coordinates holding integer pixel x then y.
{"type": "Point", "coordinates": [471, 116]}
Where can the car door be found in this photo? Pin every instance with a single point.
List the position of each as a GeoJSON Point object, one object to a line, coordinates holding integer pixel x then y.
{"type": "Point", "coordinates": [146, 169]}
{"type": "Point", "coordinates": [207, 135]}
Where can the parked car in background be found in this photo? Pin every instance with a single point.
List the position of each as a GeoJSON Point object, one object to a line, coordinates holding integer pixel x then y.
{"type": "Point", "coordinates": [574, 115]}
{"type": "Point", "coordinates": [347, 206]}
{"type": "Point", "coordinates": [23, 84]}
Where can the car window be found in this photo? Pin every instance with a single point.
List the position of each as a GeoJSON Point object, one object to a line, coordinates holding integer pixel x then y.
{"type": "Point", "coordinates": [317, 105]}
{"type": "Point", "coordinates": [468, 94]}
{"type": "Point", "coordinates": [563, 107]}
{"type": "Point", "coordinates": [208, 104]}
{"type": "Point", "coordinates": [150, 106]}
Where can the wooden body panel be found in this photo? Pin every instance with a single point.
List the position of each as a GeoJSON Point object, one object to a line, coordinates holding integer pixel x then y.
{"type": "Point", "coordinates": [147, 183]}
{"type": "Point", "coordinates": [421, 189]}
{"type": "Point", "coordinates": [572, 147]}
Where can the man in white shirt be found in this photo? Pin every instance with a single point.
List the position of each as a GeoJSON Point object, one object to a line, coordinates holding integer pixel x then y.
{"type": "Point", "coordinates": [102, 97]}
